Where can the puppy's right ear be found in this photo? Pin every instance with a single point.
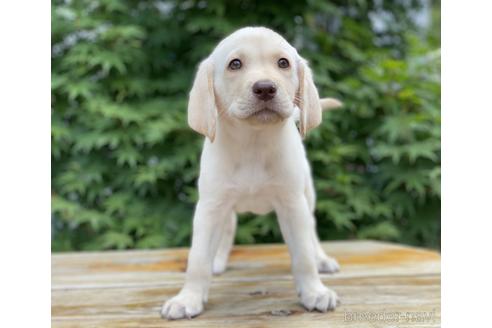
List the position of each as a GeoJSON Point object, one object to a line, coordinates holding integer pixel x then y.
{"type": "Point", "coordinates": [202, 110]}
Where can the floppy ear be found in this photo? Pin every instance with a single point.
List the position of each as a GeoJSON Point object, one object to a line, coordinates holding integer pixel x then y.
{"type": "Point", "coordinates": [307, 99]}
{"type": "Point", "coordinates": [202, 110]}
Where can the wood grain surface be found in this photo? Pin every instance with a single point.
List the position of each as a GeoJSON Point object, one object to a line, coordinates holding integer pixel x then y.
{"type": "Point", "coordinates": [380, 285]}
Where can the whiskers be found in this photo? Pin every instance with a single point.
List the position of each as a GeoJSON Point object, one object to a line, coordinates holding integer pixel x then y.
{"type": "Point", "coordinates": [248, 107]}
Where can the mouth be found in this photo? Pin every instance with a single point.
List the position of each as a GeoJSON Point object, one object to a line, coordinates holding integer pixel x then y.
{"type": "Point", "coordinates": [265, 111]}
{"type": "Point", "coordinates": [265, 115]}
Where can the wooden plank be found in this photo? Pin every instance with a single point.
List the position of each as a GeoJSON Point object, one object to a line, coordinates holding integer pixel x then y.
{"type": "Point", "coordinates": [126, 289]}
{"type": "Point", "coordinates": [88, 270]}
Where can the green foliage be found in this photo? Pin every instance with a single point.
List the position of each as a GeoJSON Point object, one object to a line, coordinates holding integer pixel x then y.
{"type": "Point", "coordinates": [125, 163]}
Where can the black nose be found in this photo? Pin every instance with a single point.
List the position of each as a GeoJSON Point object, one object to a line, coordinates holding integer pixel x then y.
{"type": "Point", "coordinates": [264, 90]}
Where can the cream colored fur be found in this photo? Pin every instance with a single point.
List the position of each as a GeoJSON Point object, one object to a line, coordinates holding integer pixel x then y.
{"type": "Point", "coordinates": [253, 160]}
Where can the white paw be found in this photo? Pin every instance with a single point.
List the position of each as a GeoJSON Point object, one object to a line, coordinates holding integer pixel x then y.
{"type": "Point", "coordinates": [219, 266]}
{"type": "Point", "coordinates": [183, 305]}
{"type": "Point", "coordinates": [320, 299]}
{"type": "Point", "coordinates": [328, 264]}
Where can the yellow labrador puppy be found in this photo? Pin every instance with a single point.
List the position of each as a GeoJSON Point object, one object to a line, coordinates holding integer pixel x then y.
{"type": "Point", "coordinates": [246, 98]}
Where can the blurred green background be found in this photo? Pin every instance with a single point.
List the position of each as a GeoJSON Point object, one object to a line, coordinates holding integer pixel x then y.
{"type": "Point", "coordinates": [125, 163]}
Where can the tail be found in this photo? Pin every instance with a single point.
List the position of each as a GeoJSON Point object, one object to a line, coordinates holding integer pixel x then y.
{"type": "Point", "coordinates": [326, 105]}
{"type": "Point", "coordinates": [330, 103]}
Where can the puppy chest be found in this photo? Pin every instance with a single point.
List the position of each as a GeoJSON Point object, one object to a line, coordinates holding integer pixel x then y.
{"type": "Point", "coordinates": [252, 186]}
{"type": "Point", "coordinates": [251, 177]}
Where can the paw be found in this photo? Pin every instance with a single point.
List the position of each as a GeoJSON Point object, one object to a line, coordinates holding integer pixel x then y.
{"type": "Point", "coordinates": [328, 264]}
{"type": "Point", "coordinates": [183, 305]}
{"type": "Point", "coordinates": [219, 266]}
{"type": "Point", "coordinates": [320, 299]}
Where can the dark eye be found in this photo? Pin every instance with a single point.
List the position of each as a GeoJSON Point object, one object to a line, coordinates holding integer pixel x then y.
{"type": "Point", "coordinates": [283, 63]}
{"type": "Point", "coordinates": [235, 64]}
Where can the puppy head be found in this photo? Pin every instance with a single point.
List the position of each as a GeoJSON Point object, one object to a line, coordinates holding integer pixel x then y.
{"type": "Point", "coordinates": [254, 76]}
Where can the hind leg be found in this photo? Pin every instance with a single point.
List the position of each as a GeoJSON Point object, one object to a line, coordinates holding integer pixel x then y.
{"type": "Point", "coordinates": [225, 246]}
{"type": "Point", "coordinates": [325, 263]}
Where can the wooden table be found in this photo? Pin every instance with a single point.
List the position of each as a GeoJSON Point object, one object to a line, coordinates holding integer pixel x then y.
{"type": "Point", "coordinates": [380, 285]}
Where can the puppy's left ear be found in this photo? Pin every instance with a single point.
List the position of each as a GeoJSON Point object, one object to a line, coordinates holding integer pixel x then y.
{"type": "Point", "coordinates": [307, 99]}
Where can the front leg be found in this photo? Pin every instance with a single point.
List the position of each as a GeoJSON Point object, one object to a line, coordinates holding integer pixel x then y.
{"type": "Point", "coordinates": [296, 223]}
{"type": "Point", "coordinates": [208, 223]}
